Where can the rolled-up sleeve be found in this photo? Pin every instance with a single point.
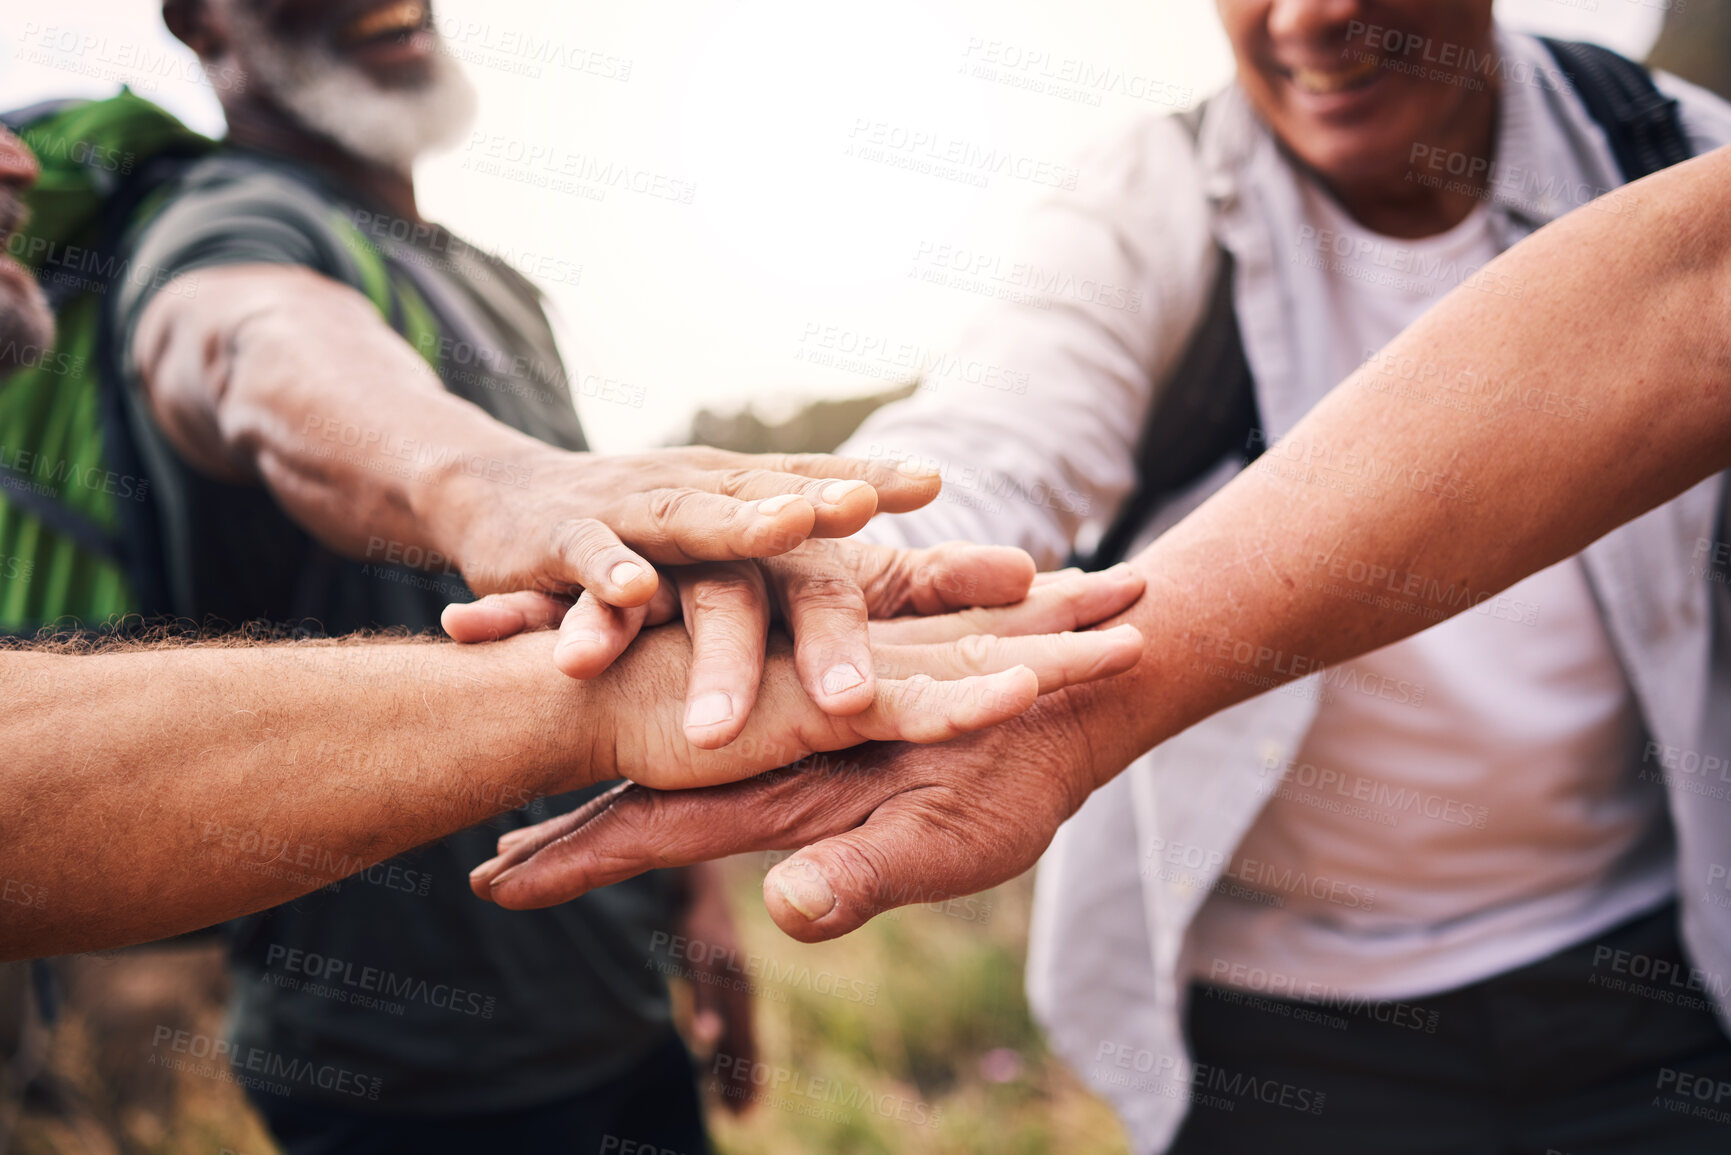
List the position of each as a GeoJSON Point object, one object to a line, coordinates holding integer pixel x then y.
{"type": "Point", "coordinates": [1115, 274]}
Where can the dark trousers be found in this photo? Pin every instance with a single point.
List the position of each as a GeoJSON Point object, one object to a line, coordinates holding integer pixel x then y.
{"type": "Point", "coordinates": [1607, 1048]}
{"type": "Point", "coordinates": [653, 1109]}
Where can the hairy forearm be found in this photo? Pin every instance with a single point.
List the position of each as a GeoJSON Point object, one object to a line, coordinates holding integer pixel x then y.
{"type": "Point", "coordinates": [281, 376]}
{"type": "Point", "coordinates": [1490, 440]}
{"type": "Point", "coordinates": [151, 791]}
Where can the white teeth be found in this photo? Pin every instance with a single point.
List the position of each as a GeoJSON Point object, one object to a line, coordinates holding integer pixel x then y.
{"type": "Point", "coordinates": [1323, 81]}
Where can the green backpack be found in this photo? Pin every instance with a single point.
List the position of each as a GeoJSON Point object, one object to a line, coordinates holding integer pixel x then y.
{"type": "Point", "coordinates": [79, 540]}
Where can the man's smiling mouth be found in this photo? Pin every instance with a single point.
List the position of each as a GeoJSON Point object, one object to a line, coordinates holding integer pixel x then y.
{"type": "Point", "coordinates": [1325, 81]}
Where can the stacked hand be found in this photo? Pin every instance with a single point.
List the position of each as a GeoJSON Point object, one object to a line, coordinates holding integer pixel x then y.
{"type": "Point", "coordinates": [741, 551]}
{"type": "Point", "coordinates": [823, 592]}
{"type": "Point", "coordinates": [890, 825]}
{"type": "Point", "coordinates": [990, 800]}
{"type": "Point", "coordinates": [602, 523]}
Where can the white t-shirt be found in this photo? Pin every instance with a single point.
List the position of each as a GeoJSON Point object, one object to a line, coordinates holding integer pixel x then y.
{"type": "Point", "coordinates": [1488, 813]}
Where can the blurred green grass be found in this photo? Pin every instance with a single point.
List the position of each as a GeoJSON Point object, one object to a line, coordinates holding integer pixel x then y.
{"type": "Point", "coordinates": [942, 1038]}
{"type": "Point", "coordinates": [949, 1039]}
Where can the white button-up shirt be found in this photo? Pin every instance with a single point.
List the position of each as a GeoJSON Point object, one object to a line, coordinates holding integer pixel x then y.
{"type": "Point", "coordinates": [1036, 465]}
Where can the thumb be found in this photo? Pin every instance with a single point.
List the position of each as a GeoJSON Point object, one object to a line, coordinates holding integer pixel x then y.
{"type": "Point", "coordinates": [896, 858]}
{"type": "Point", "coordinates": [496, 616]}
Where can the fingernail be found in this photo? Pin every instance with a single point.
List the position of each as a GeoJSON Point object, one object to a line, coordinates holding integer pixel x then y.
{"type": "Point", "coordinates": [773, 505]}
{"type": "Point", "coordinates": [804, 889]}
{"type": "Point", "coordinates": [485, 869]}
{"type": "Point", "coordinates": [840, 679]}
{"type": "Point", "coordinates": [625, 573]}
{"type": "Point", "coordinates": [710, 709]}
{"type": "Point", "coordinates": [912, 468]}
{"type": "Point", "coordinates": [1122, 569]}
{"type": "Point", "coordinates": [837, 492]}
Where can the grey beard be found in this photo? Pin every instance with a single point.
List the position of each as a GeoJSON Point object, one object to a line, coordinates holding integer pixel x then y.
{"type": "Point", "coordinates": [390, 128]}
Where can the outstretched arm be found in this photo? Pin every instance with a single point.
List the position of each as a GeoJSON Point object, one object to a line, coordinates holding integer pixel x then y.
{"type": "Point", "coordinates": [1630, 333]}
{"type": "Point", "coordinates": [1606, 393]}
{"type": "Point", "coordinates": [153, 790]}
{"type": "Point", "coordinates": [278, 375]}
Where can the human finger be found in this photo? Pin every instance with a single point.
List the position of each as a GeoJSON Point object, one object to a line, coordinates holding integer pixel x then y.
{"type": "Point", "coordinates": [632, 828]}
{"type": "Point", "coordinates": [496, 616]}
{"type": "Point", "coordinates": [899, 486]}
{"type": "Point", "coordinates": [825, 611]}
{"type": "Point", "coordinates": [678, 526]}
{"type": "Point", "coordinates": [726, 608]}
{"type": "Point", "coordinates": [1072, 603]}
{"type": "Point", "coordinates": [1057, 660]}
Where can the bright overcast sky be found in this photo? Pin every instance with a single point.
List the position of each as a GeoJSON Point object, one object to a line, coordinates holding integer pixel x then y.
{"type": "Point", "coordinates": [760, 229]}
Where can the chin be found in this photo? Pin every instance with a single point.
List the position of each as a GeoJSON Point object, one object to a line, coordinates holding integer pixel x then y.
{"type": "Point", "coordinates": [1357, 157]}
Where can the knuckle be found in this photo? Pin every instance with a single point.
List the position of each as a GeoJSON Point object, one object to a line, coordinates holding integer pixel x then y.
{"type": "Point", "coordinates": [737, 480]}
{"type": "Point", "coordinates": [976, 652]}
{"type": "Point", "coordinates": [786, 822]}
{"type": "Point", "coordinates": [709, 457]}
{"type": "Point", "coordinates": [585, 542]}
{"type": "Point", "coordinates": [668, 507]}
{"type": "Point", "coordinates": [826, 591]}
{"type": "Point", "coordinates": [890, 586]}
{"type": "Point", "coordinates": [784, 811]}
{"type": "Point", "coordinates": [1068, 600]}
{"type": "Point", "coordinates": [639, 828]}
{"type": "Point", "coordinates": [860, 873]}
{"type": "Point", "coordinates": [919, 709]}
{"type": "Point", "coordinates": [730, 594]}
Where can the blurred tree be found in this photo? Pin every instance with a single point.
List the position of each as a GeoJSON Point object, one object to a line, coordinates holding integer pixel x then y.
{"type": "Point", "coordinates": [1695, 43]}
{"type": "Point", "coordinates": [817, 427]}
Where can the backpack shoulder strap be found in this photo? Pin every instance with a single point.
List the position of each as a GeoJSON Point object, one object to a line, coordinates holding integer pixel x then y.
{"type": "Point", "coordinates": [100, 160]}
{"type": "Point", "coordinates": [1641, 123]}
{"type": "Point", "coordinates": [1207, 408]}
{"type": "Point", "coordinates": [1205, 411]}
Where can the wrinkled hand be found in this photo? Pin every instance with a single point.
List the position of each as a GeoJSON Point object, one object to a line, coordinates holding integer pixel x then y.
{"type": "Point", "coordinates": [597, 522]}
{"type": "Point", "coordinates": [937, 677]}
{"type": "Point", "coordinates": [882, 826]}
{"type": "Point", "coordinates": [901, 827]}
{"type": "Point", "coordinates": [823, 591]}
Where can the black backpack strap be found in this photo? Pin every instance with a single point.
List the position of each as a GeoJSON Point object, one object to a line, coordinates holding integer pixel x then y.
{"type": "Point", "coordinates": [1641, 123]}
{"type": "Point", "coordinates": [1207, 409]}
{"type": "Point", "coordinates": [18, 486]}
{"type": "Point", "coordinates": [141, 553]}
{"type": "Point", "coordinates": [20, 489]}
{"type": "Point", "coordinates": [1205, 412]}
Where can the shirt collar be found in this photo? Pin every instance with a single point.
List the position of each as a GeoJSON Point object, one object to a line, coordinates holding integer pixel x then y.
{"type": "Point", "coordinates": [1546, 161]}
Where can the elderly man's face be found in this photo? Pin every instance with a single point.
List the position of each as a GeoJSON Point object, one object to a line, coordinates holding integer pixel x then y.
{"type": "Point", "coordinates": [1350, 86]}
{"type": "Point", "coordinates": [392, 42]}
{"type": "Point", "coordinates": [26, 324]}
{"type": "Point", "coordinates": [370, 75]}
